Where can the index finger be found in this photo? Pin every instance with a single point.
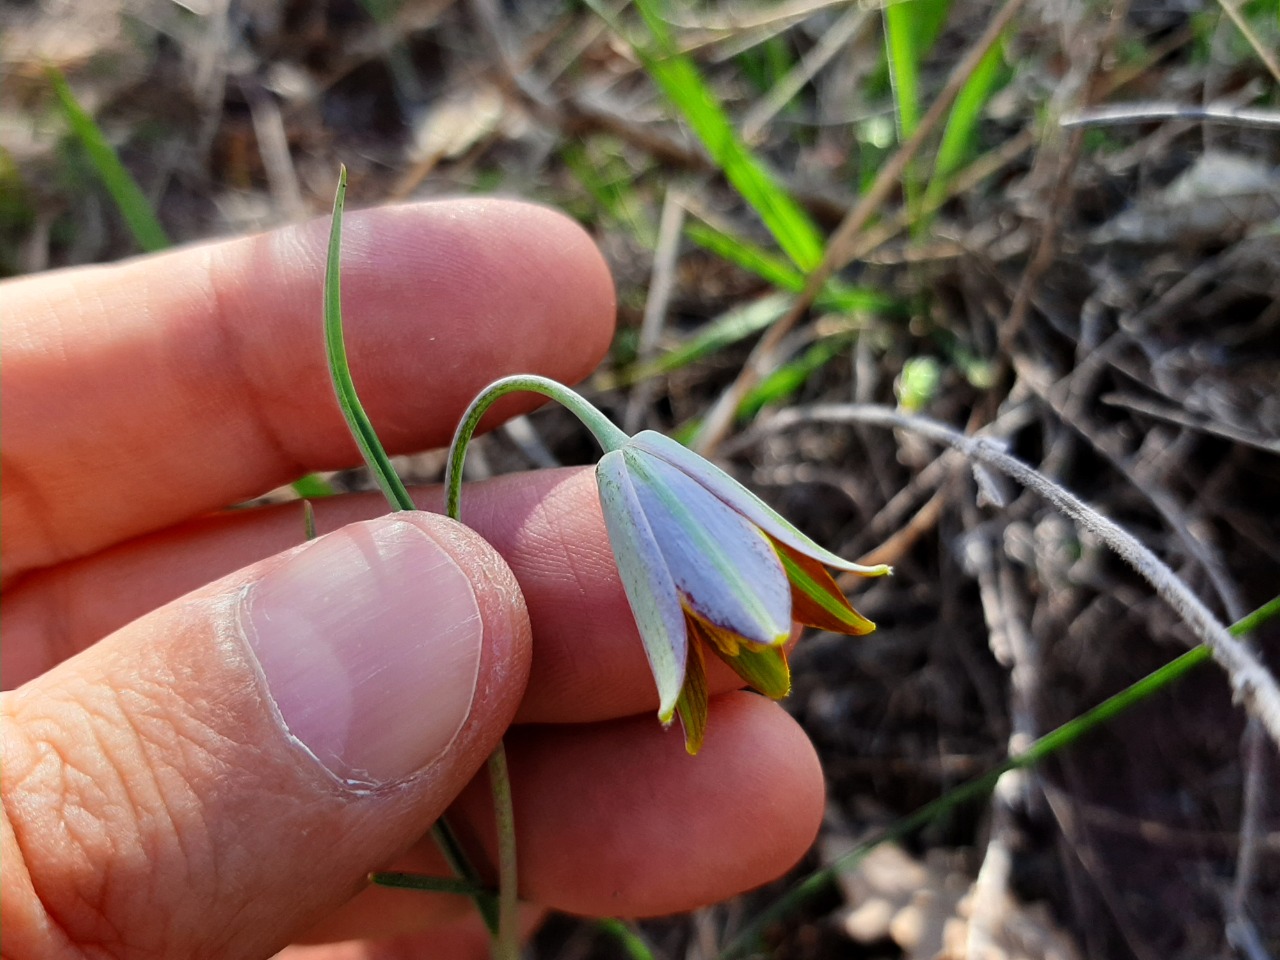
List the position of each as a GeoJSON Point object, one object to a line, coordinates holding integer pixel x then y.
{"type": "Point", "coordinates": [140, 394]}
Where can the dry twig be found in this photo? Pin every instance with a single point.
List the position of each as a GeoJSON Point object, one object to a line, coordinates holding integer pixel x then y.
{"type": "Point", "coordinates": [1252, 683]}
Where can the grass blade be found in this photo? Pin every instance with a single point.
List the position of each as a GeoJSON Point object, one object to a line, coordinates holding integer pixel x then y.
{"type": "Point", "coordinates": [727, 329]}
{"type": "Point", "coordinates": [910, 27]}
{"type": "Point", "coordinates": [336, 352]}
{"type": "Point", "coordinates": [787, 380]}
{"type": "Point", "coordinates": [959, 135]}
{"type": "Point", "coordinates": [125, 192]}
{"type": "Point", "coordinates": [835, 295]}
{"type": "Point", "coordinates": [678, 78]}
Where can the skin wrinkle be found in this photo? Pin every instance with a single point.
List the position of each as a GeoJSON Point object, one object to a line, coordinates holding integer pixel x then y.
{"type": "Point", "coordinates": [255, 405]}
{"type": "Point", "coordinates": [33, 512]}
{"type": "Point", "coordinates": [138, 722]}
{"type": "Point", "coordinates": [120, 824]}
{"type": "Point", "coordinates": [14, 810]}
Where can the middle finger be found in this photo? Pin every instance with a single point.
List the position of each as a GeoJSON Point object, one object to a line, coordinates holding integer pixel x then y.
{"type": "Point", "coordinates": [588, 662]}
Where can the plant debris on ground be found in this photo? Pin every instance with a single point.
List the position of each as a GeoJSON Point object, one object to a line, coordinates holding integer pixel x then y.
{"type": "Point", "coordinates": [1077, 253]}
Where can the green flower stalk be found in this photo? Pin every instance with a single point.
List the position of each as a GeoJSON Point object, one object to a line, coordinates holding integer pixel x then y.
{"type": "Point", "coordinates": [706, 565]}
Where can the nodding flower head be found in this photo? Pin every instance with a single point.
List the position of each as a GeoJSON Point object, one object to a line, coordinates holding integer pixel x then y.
{"type": "Point", "coordinates": [707, 565]}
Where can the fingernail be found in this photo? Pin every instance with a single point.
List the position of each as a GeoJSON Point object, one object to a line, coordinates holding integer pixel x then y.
{"type": "Point", "coordinates": [369, 642]}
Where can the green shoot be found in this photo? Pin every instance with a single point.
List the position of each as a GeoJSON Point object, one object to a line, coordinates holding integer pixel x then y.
{"type": "Point", "coordinates": [679, 79]}
{"type": "Point", "coordinates": [124, 190]}
{"type": "Point", "coordinates": [959, 136]}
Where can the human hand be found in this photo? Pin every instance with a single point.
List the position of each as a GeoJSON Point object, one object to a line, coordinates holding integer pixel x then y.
{"type": "Point", "coordinates": [217, 732]}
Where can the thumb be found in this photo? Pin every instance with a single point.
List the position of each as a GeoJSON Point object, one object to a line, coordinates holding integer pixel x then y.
{"type": "Point", "coordinates": [218, 775]}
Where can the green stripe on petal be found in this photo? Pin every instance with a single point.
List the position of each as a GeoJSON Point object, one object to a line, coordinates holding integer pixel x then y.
{"type": "Point", "coordinates": [692, 705]}
{"type": "Point", "coordinates": [655, 603]}
{"type": "Point", "coordinates": [726, 570]}
{"type": "Point", "coordinates": [742, 500]}
{"type": "Point", "coordinates": [762, 668]}
{"type": "Point", "coordinates": [816, 599]}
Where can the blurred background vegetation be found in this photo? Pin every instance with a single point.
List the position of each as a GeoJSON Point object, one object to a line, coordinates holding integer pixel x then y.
{"type": "Point", "coordinates": [1057, 221]}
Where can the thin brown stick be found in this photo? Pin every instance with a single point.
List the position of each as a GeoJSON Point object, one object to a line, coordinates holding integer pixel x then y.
{"type": "Point", "coordinates": [1267, 56]}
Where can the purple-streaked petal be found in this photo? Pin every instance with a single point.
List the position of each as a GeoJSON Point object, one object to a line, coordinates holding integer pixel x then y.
{"type": "Point", "coordinates": [742, 500]}
{"type": "Point", "coordinates": [725, 569]}
{"type": "Point", "coordinates": [651, 591]}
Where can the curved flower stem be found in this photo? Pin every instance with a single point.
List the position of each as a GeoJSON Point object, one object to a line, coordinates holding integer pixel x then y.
{"type": "Point", "coordinates": [506, 944]}
{"type": "Point", "coordinates": [602, 428]}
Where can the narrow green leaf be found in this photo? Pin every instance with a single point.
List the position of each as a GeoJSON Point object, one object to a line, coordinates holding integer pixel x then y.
{"type": "Point", "coordinates": [128, 196]}
{"type": "Point", "coordinates": [791, 376]}
{"type": "Point", "coordinates": [336, 351]}
{"type": "Point", "coordinates": [959, 135]}
{"type": "Point", "coordinates": [678, 77]}
{"type": "Point", "coordinates": [631, 942]}
{"type": "Point", "coordinates": [834, 296]}
{"type": "Point", "coordinates": [910, 27]}
{"type": "Point", "coordinates": [419, 881]}
{"type": "Point", "coordinates": [727, 329]}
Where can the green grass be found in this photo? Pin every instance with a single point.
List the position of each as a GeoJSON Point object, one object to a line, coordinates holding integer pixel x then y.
{"type": "Point", "coordinates": [836, 295]}
{"type": "Point", "coordinates": [680, 81]}
{"type": "Point", "coordinates": [960, 135]}
{"type": "Point", "coordinates": [135, 209]}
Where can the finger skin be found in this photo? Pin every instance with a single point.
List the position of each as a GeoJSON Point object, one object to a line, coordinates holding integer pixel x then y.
{"type": "Point", "coordinates": [615, 819]}
{"type": "Point", "coordinates": [142, 394]}
{"type": "Point", "coordinates": [154, 806]}
{"type": "Point", "coordinates": [463, 938]}
{"type": "Point", "coordinates": [588, 662]}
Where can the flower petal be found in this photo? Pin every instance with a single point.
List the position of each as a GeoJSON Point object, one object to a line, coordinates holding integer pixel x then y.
{"type": "Point", "coordinates": [742, 500]}
{"type": "Point", "coordinates": [725, 569]}
{"type": "Point", "coordinates": [692, 705]}
{"type": "Point", "coordinates": [763, 668]}
{"type": "Point", "coordinates": [816, 600]}
{"type": "Point", "coordinates": [655, 603]}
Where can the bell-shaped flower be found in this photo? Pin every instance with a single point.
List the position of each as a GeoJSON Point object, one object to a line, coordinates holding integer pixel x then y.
{"type": "Point", "coordinates": [707, 565]}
